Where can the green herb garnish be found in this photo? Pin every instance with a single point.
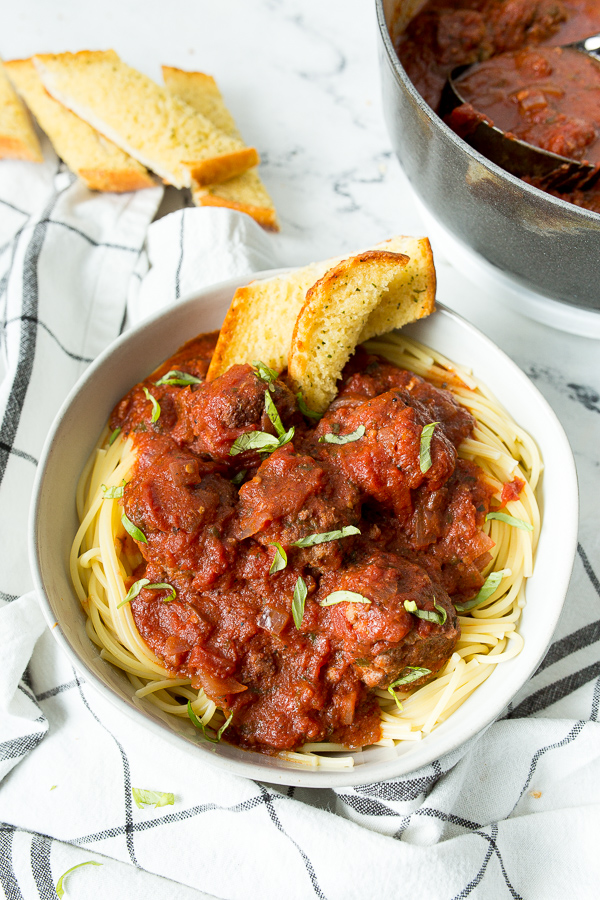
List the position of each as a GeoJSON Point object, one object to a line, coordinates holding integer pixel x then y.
{"type": "Point", "coordinates": [133, 530]}
{"type": "Point", "coordinates": [510, 520]}
{"type": "Point", "coordinates": [331, 438]}
{"type": "Point", "coordinates": [202, 727]}
{"type": "Point", "coordinates": [155, 404]}
{"type": "Point", "coordinates": [112, 493]}
{"type": "Point", "coordinates": [254, 440]}
{"type": "Point", "coordinates": [144, 584]}
{"type": "Point", "coordinates": [438, 616]}
{"type": "Point", "coordinates": [260, 440]}
{"type": "Point", "coordinates": [163, 586]}
{"type": "Point", "coordinates": [239, 477]}
{"type": "Point", "coordinates": [343, 597]}
{"type": "Point", "coordinates": [60, 891]}
{"type": "Point", "coordinates": [311, 539]}
{"type": "Point", "coordinates": [413, 674]}
{"type": "Point", "coordinates": [425, 449]}
{"type": "Point", "coordinates": [264, 372]}
{"type": "Point", "coordinates": [145, 798]}
{"type": "Point", "coordinates": [134, 591]}
{"type": "Point", "coordinates": [310, 413]}
{"type": "Point", "coordinates": [115, 434]}
{"type": "Point", "coordinates": [298, 601]}
{"type": "Point", "coordinates": [224, 726]}
{"type": "Point", "coordinates": [280, 559]}
{"type": "Point", "coordinates": [273, 415]}
{"type": "Point", "coordinates": [487, 589]}
{"type": "Point", "coordinates": [175, 376]}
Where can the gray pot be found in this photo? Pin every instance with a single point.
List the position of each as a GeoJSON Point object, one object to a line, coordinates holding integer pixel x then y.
{"type": "Point", "coordinates": [539, 242]}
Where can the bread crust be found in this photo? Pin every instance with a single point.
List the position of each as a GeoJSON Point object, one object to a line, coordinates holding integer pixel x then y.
{"type": "Point", "coordinates": [263, 316]}
{"type": "Point", "coordinates": [332, 318]}
{"type": "Point", "coordinates": [15, 148]}
{"type": "Point", "coordinates": [244, 192]}
{"type": "Point", "coordinates": [264, 215]}
{"type": "Point", "coordinates": [18, 139]}
{"type": "Point", "coordinates": [223, 167]}
{"type": "Point", "coordinates": [175, 141]}
{"type": "Point", "coordinates": [101, 165]}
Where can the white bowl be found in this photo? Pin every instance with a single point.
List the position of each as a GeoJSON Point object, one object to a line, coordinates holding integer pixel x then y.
{"type": "Point", "coordinates": [130, 359]}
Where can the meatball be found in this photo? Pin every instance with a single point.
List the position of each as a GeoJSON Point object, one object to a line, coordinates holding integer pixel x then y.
{"type": "Point", "coordinates": [383, 637]}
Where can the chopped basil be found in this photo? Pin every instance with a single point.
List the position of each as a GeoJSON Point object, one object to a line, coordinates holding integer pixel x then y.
{"type": "Point", "coordinates": [510, 520]}
{"type": "Point", "coordinates": [114, 436]}
{"type": "Point", "coordinates": [175, 376]}
{"type": "Point", "coordinates": [155, 404]}
{"type": "Point", "coordinates": [202, 727]}
{"type": "Point", "coordinates": [133, 530]}
{"type": "Point", "coordinates": [144, 584]}
{"type": "Point", "coordinates": [425, 449]}
{"type": "Point", "coordinates": [298, 601]}
{"type": "Point", "coordinates": [163, 586]}
{"type": "Point", "coordinates": [287, 437]}
{"type": "Point", "coordinates": [261, 441]}
{"type": "Point", "coordinates": [254, 440]}
{"type": "Point", "coordinates": [487, 589]}
{"type": "Point", "coordinates": [439, 616]}
{"type": "Point", "coordinates": [239, 477]}
{"type": "Point", "coordinates": [273, 415]}
{"type": "Point", "coordinates": [264, 372]}
{"type": "Point", "coordinates": [280, 559]}
{"type": "Point", "coordinates": [331, 438]}
{"type": "Point", "coordinates": [311, 539]}
{"type": "Point", "coordinates": [310, 413]}
{"type": "Point", "coordinates": [134, 591]}
{"type": "Point", "coordinates": [224, 727]}
{"type": "Point", "coordinates": [413, 673]}
{"type": "Point", "coordinates": [395, 696]}
{"type": "Point", "coordinates": [145, 798]}
{"type": "Point", "coordinates": [60, 890]}
{"type": "Point", "coordinates": [441, 611]}
{"type": "Point", "coordinates": [112, 493]}
{"type": "Point", "coordinates": [343, 597]}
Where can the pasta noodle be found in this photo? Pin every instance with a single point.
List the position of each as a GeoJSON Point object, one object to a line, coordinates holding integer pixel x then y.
{"type": "Point", "coordinates": [100, 565]}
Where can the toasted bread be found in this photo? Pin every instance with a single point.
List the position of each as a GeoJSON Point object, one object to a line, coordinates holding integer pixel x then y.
{"type": "Point", "coordinates": [18, 140]}
{"type": "Point", "coordinates": [333, 317]}
{"type": "Point", "coordinates": [245, 192]}
{"type": "Point", "coordinates": [172, 139]}
{"type": "Point", "coordinates": [97, 161]}
{"type": "Point", "coordinates": [413, 296]}
{"type": "Point", "coordinates": [262, 317]}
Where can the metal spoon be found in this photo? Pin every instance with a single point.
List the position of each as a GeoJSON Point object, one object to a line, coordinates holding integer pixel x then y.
{"type": "Point", "coordinates": [518, 157]}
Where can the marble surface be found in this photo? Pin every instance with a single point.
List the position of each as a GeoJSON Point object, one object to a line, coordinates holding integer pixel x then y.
{"type": "Point", "coordinates": [301, 78]}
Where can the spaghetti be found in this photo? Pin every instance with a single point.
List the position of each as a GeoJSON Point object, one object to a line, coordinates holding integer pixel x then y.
{"type": "Point", "coordinates": [103, 562]}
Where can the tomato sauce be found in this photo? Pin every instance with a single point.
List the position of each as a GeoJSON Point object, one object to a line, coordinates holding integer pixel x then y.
{"type": "Point", "coordinates": [546, 96]}
{"type": "Point", "coordinates": [292, 670]}
{"type": "Point", "coordinates": [523, 83]}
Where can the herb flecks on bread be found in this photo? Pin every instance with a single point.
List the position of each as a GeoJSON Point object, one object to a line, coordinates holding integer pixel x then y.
{"type": "Point", "coordinates": [97, 161]}
{"type": "Point", "coordinates": [143, 119]}
{"type": "Point", "coordinates": [244, 192]}
{"type": "Point", "coordinates": [263, 317]}
{"type": "Point", "coordinates": [333, 317]}
{"type": "Point", "coordinates": [18, 140]}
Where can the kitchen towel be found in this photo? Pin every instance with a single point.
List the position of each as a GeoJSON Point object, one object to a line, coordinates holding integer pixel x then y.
{"type": "Point", "coordinates": [514, 813]}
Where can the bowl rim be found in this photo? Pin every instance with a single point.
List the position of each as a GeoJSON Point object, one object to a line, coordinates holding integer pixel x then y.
{"type": "Point", "coordinates": [400, 72]}
{"type": "Point", "coordinates": [256, 766]}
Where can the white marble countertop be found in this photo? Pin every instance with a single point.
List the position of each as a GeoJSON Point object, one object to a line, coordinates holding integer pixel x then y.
{"type": "Point", "coordinates": [301, 79]}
